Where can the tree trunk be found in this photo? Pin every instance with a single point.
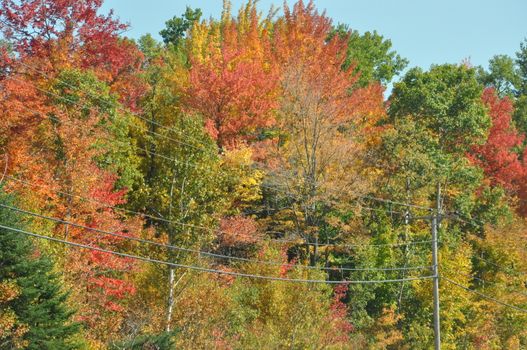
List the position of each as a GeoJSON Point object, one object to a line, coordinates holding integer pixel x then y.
{"type": "Point", "coordinates": [170, 308]}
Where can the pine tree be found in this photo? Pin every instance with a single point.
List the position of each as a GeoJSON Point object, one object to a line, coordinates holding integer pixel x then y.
{"type": "Point", "coordinates": [33, 312]}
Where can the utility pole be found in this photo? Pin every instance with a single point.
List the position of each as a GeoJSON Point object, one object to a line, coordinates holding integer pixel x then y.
{"type": "Point", "coordinates": [435, 224]}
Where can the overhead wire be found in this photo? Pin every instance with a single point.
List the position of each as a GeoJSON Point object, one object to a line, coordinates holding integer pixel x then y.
{"type": "Point", "coordinates": [346, 245]}
{"type": "Point", "coordinates": [148, 151]}
{"type": "Point", "coordinates": [199, 227]}
{"type": "Point", "coordinates": [200, 252]}
{"type": "Point", "coordinates": [174, 160]}
{"type": "Point", "coordinates": [55, 95]}
{"type": "Point", "coordinates": [499, 267]}
{"type": "Point", "coordinates": [204, 269]}
{"type": "Point", "coordinates": [153, 153]}
{"type": "Point", "coordinates": [484, 282]}
{"type": "Point", "coordinates": [485, 296]}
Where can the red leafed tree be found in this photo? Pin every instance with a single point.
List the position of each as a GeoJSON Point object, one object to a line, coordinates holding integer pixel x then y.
{"type": "Point", "coordinates": [238, 230]}
{"type": "Point", "coordinates": [97, 276]}
{"type": "Point", "coordinates": [233, 86]}
{"type": "Point", "coordinates": [498, 157]}
{"type": "Point", "coordinates": [341, 326]}
{"type": "Point", "coordinates": [51, 145]}
{"type": "Point", "coordinates": [50, 35]}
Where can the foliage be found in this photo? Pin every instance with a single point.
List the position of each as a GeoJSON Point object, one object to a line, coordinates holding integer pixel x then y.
{"type": "Point", "coordinates": [253, 146]}
{"type": "Point", "coordinates": [161, 341]}
{"type": "Point", "coordinates": [176, 27]}
{"type": "Point", "coordinates": [33, 309]}
{"type": "Point", "coordinates": [502, 75]}
{"type": "Point", "coordinates": [446, 100]}
{"type": "Point", "coordinates": [498, 156]}
{"type": "Point", "coordinates": [508, 76]}
{"type": "Point", "coordinates": [231, 84]}
{"type": "Point", "coordinates": [371, 56]}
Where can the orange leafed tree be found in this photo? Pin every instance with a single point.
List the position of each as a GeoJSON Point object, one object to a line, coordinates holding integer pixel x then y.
{"type": "Point", "coordinates": [56, 183]}
{"type": "Point", "coordinates": [322, 114]}
{"type": "Point", "coordinates": [231, 82]}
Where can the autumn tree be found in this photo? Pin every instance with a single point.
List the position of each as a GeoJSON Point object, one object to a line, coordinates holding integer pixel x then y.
{"type": "Point", "coordinates": [321, 119]}
{"type": "Point", "coordinates": [84, 151]}
{"type": "Point", "coordinates": [231, 83]}
{"type": "Point", "coordinates": [499, 156]}
{"type": "Point", "coordinates": [51, 36]}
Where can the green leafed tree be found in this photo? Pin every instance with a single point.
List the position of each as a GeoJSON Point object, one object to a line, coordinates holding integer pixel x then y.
{"type": "Point", "coordinates": [157, 341]}
{"type": "Point", "coordinates": [33, 310]}
{"type": "Point", "coordinates": [503, 75]}
{"type": "Point", "coordinates": [508, 75]}
{"type": "Point", "coordinates": [447, 101]}
{"type": "Point", "coordinates": [372, 56]}
{"type": "Point", "coordinates": [177, 26]}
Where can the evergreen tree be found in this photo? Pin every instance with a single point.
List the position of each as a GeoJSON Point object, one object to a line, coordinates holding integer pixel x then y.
{"type": "Point", "coordinates": [33, 313]}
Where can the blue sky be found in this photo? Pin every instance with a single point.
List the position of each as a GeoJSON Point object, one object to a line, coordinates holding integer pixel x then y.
{"type": "Point", "coordinates": [423, 31]}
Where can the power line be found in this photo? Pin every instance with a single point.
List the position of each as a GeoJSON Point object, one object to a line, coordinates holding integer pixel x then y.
{"type": "Point", "coordinates": [105, 137]}
{"type": "Point", "coordinates": [483, 281]}
{"type": "Point", "coordinates": [128, 211]}
{"type": "Point", "coordinates": [345, 245]}
{"type": "Point", "coordinates": [154, 153]}
{"type": "Point", "coordinates": [277, 240]}
{"type": "Point", "coordinates": [204, 269]}
{"type": "Point", "coordinates": [200, 252]}
{"type": "Point", "coordinates": [497, 301]}
{"type": "Point", "coordinates": [372, 198]}
{"type": "Point", "coordinates": [157, 154]}
{"type": "Point", "coordinates": [163, 156]}
{"type": "Point", "coordinates": [499, 267]}
{"type": "Point", "coordinates": [124, 210]}
{"type": "Point", "coordinates": [397, 203]}
{"type": "Point", "coordinates": [175, 161]}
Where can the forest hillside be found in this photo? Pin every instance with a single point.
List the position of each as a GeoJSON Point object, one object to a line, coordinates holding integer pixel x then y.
{"type": "Point", "coordinates": [249, 182]}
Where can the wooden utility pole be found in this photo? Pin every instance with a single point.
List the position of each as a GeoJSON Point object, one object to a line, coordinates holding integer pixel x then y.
{"type": "Point", "coordinates": [435, 224]}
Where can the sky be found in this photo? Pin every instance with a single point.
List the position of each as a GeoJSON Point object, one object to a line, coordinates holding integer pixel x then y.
{"type": "Point", "coordinates": [423, 31]}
